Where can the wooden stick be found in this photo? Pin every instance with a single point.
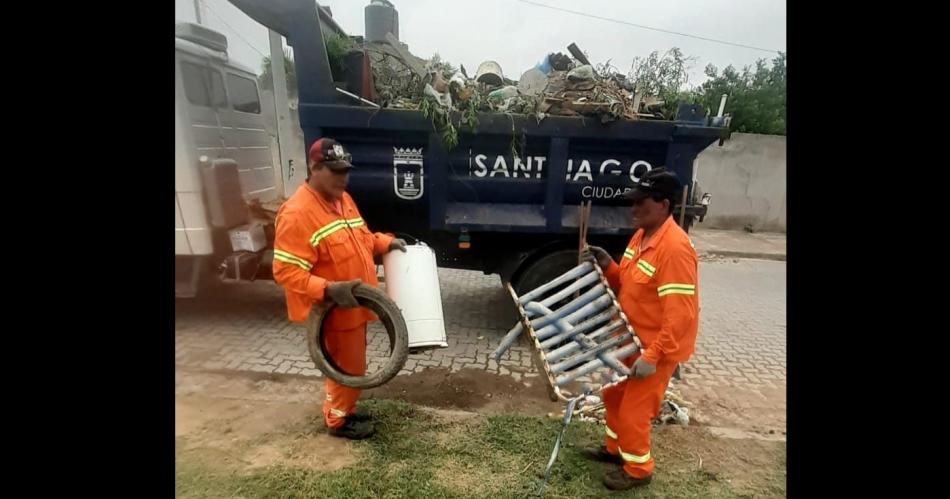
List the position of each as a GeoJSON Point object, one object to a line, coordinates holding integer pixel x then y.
{"type": "Point", "coordinates": [683, 205]}
{"type": "Point", "coordinates": [582, 219]}
{"type": "Point", "coordinates": [580, 232]}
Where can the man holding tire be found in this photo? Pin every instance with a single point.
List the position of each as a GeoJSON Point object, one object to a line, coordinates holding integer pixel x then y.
{"type": "Point", "coordinates": [656, 284]}
{"type": "Point", "coordinates": [322, 250]}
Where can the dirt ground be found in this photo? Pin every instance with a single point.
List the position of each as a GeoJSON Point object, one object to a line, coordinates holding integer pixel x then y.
{"type": "Point", "coordinates": [250, 420]}
{"type": "Point", "coordinates": [758, 413]}
{"type": "Point", "coordinates": [469, 389]}
{"type": "Point", "coordinates": [244, 421]}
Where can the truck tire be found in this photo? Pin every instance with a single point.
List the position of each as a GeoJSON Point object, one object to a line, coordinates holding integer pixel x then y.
{"type": "Point", "coordinates": [544, 269]}
{"type": "Point", "coordinates": [391, 317]}
{"type": "Point", "coordinates": [195, 277]}
{"type": "Point", "coordinates": [687, 223]}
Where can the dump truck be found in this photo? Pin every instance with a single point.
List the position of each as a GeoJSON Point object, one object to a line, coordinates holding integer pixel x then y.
{"type": "Point", "coordinates": [505, 200]}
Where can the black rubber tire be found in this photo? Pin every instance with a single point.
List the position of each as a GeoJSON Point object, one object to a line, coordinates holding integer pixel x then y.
{"type": "Point", "coordinates": [391, 317]}
{"type": "Point", "coordinates": [687, 221]}
{"type": "Point", "coordinates": [540, 272]}
{"type": "Point", "coordinates": [545, 269]}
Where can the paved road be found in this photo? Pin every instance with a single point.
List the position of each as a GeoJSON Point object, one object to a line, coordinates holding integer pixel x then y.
{"type": "Point", "coordinates": [741, 345]}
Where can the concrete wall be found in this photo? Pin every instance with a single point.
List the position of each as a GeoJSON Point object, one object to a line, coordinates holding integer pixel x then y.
{"type": "Point", "coordinates": [746, 178]}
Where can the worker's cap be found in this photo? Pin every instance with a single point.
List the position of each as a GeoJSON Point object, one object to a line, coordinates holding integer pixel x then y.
{"type": "Point", "coordinates": [658, 181]}
{"type": "Point", "coordinates": [331, 153]}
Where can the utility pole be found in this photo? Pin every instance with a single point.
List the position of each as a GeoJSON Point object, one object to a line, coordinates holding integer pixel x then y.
{"type": "Point", "coordinates": [198, 11]}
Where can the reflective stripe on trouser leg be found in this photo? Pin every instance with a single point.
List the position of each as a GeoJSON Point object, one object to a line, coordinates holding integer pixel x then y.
{"type": "Point", "coordinates": [610, 433]}
{"type": "Point", "coordinates": [633, 458]}
{"type": "Point", "coordinates": [640, 405]}
{"type": "Point", "coordinates": [348, 350]}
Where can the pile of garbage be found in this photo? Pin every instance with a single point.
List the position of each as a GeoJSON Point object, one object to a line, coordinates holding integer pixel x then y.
{"type": "Point", "coordinates": [384, 74]}
{"type": "Point", "coordinates": [559, 85]}
{"type": "Point", "coordinates": [673, 409]}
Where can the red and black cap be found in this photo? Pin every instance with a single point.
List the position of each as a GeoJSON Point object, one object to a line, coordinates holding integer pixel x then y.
{"type": "Point", "coordinates": [330, 153]}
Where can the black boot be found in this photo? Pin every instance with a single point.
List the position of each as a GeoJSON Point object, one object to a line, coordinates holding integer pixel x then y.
{"type": "Point", "coordinates": [353, 430]}
{"type": "Point", "coordinates": [360, 417]}
{"type": "Point", "coordinates": [618, 479]}
{"type": "Point", "coordinates": [601, 454]}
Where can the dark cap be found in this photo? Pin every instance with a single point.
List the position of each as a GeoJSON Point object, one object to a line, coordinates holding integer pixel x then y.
{"type": "Point", "coordinates": [657, 181]}
{"type": "Point", "coordinates": [330, 153]}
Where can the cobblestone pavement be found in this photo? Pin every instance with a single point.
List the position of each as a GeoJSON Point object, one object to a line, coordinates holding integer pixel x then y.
{"type": "Point", "coordinates": [737, 375]}
{"type": "Point", "coordinates": [741, 345]}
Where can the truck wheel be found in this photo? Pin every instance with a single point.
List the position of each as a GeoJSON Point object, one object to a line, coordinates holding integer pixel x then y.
{"type": "Point", "coordinates": [195, 277]}
{"type": "Point", "coordinates": [544, 269]}
{"type": "Point", "coordinates": [541, 271]}
{"type": "Point", "coordinates": [687, 223]}
{"type": "Point", "coordinates": [391, 317]}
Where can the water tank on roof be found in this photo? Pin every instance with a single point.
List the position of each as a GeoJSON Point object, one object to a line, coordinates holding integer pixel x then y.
{"type": "Point", "coordinates": [380, 17]}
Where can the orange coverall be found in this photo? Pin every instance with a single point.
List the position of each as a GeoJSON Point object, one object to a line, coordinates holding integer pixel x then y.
{"type": "Point", "coordinates": [656, 288]}
{"type": "Point", "coordinates": [314, 244]}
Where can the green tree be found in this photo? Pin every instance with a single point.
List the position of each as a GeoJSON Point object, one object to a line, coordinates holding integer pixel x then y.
{"type": "Point", "coordinates": [266, 81]}
{"type": "Point", "coordinates": [756, 99]}
{"type": "Point", "coordinates": [337, 47]}
{"type": "Point", "coordinates": [656, 75]}
{"type": "Point", "coordinates": [663, 76]}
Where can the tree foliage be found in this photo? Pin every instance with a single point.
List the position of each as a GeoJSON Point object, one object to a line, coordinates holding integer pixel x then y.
{"type": "Point", "coordinates": [266, 80]}
{"type": "Point", "coordinates": [756, 94]}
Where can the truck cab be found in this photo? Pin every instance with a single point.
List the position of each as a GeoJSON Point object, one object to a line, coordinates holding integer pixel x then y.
{"type": "Point", "coordinates": [223, 156]}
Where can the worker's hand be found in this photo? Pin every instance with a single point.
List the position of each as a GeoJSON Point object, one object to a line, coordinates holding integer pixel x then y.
{"type": "Point", "coordinates": [597, 253]}
{"type": "Point", "coordinates": [641, 368]}
{"type": "Point", "coordinates": [399, 244]}
{"type": "Point", "coordinates": [341, 293]}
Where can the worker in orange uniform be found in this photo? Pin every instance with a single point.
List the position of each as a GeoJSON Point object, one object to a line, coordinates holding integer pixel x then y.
{"type": "Point", "coordinates": [655, 283]}
{"type": "Point", "coordinates": [322, 250]}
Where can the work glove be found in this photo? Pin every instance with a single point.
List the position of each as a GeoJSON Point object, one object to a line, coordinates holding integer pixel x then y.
{"type": "Point", "coordinates": [597, 253]}
{"type": "Point", "coordinates": [341, 293]}
{"type": "Point", "coordinates": [399, 244]}
{"type": "Point", "coordinates": [641, 368]}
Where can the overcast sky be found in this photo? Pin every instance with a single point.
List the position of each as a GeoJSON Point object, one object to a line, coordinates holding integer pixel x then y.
{"type": "Point", "coordinates": [517, 35]}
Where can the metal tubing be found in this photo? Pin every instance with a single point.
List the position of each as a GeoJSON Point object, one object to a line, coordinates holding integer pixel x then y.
{"type": "Point", "coordinates": [614, 364]}
{"type": "Point", "coordinates": [562, 325]}
{"type": "Point", "coordinates": [591, 308]}
{"type": "Point", "coordinates": [595, 364]}
{"type": "Point", "coordinates": [575, 304]}
{"type": "Point", "coordinates": [586, 280]}
{"type": "Point", "coordinates": [590, 354]}
{"type": "Point", "coordinates": [604, 357]}
{"type": "Point", "coordinates": [574, 273]}
{"type": "Point", "coordinates": [581, 327]}
{"type": "Point", "coordinates": [518, 328]}
{"type": "Point", "coordinates": [537, 309]}
{"type": "Point", "coordinates": [573, 347]}
{"type": "Point", "coordinates": [507, 341]}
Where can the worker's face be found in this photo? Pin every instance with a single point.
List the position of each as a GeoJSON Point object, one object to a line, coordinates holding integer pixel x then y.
{"type": "Point", "coordinates": [331, 183]}
{"type": "Point", "coordinates": [648, 213]}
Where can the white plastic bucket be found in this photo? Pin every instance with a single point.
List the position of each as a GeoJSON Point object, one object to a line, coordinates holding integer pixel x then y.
{"type": "Point", "coordinates": [412, 281]}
